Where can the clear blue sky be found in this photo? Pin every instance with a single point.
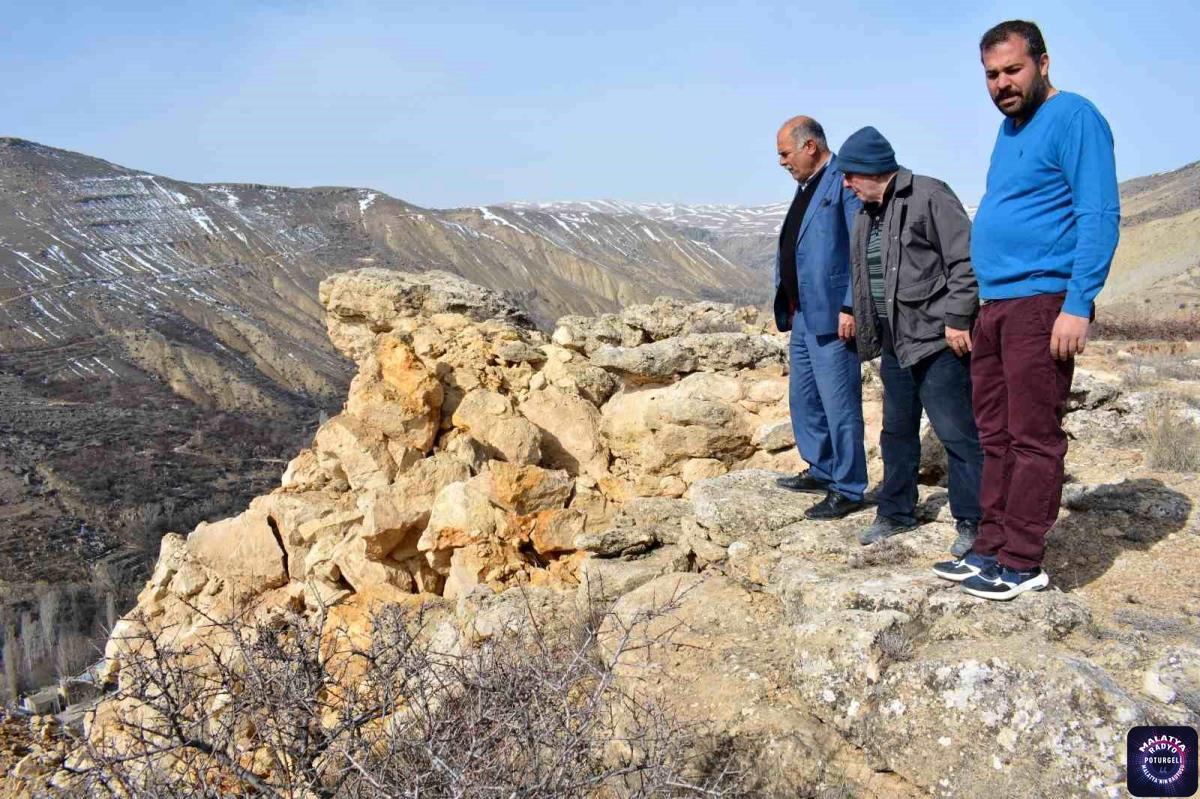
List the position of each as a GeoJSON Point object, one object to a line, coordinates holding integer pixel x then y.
{"type": "Point", "coordinates": [447, 104]}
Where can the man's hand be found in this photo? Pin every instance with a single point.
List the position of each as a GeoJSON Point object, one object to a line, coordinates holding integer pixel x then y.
{"type": "Point", "coordinates": [959, 341]}
{"type": "Point", "coordinates": [846, 327]}
{"type": "Point", "coordinates": [1069, 336]}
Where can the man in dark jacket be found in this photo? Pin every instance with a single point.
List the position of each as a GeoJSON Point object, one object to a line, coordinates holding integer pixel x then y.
{"type": "Point", "coordinates": [914, 298]}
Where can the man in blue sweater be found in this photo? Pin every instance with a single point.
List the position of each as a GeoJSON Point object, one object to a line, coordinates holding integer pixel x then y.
{"type": "Point", "coordinates": [1042, 243]}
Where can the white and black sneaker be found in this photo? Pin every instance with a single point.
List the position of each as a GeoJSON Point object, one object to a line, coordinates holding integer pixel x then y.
{"type": "Point", "coordinates": [1001, 582]}
{"type": "Point", "coordinates": [969, 565]}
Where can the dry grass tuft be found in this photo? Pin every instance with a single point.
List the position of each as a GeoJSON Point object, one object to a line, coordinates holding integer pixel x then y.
{"type": "Point", "coordinates": [896, 645]}
{"type": "Point", "coordinates": [888, 552]}
{"type": "Point", "coordinates": [1171, 442]}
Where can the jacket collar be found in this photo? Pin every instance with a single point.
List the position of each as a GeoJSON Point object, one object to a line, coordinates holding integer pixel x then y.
{"type": "Point", "coordinates": [904, 179]}
{"type": "Point", "coordinates": [831, 178]}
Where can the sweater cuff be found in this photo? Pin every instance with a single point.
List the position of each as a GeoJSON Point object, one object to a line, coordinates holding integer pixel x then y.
{"type": "Point", "coordinates": [1077, 306]}
{"type": "Point", "coordinates": [847, 309]}
{"type": "Point", "coordinates": [958, 322]}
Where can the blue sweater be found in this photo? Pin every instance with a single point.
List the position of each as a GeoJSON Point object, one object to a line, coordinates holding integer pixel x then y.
{"type": "Point", "coordinates": [1049, 220]}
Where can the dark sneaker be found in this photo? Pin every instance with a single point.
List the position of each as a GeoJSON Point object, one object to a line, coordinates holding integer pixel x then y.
{"type": "Point", "coordinates": [967, 530]}
{"type": "Point", "coordinates": [1001, 582]}
{"type": "Point", "coordinates": [834, 506]}
{"type": "Point", "coordinates": [968, 566]}
{"type": "Point", "coordinates": [883, 527]}
{"type": "Point", "coordinates": [803, 482]}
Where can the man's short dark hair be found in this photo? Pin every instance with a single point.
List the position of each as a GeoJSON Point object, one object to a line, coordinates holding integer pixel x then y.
{"type": "Point", "coordinates": [1028, 31]}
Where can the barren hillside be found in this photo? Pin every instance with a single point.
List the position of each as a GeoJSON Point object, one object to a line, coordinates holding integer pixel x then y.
{"type": "Point", "coordinates": [1157, 267]}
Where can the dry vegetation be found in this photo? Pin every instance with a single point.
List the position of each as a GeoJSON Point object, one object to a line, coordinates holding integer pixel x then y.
{"type": "Point", "coordinates": [1184, 326]}
{"type": "Point", "coordinates": [291, 710]}
{"type": "Point", "coordinates": [1171, 442]}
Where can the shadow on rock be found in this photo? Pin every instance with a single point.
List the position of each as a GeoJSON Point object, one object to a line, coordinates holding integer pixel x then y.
{"type": "Point", "coordinates": [1109, 519]}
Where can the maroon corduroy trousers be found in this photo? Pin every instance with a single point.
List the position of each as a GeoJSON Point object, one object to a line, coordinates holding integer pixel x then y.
{"type": "Point", "coordinates": [1020, 394]}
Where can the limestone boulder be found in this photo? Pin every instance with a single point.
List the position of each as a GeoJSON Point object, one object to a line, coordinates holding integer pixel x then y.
{"type": "Point", "coordinates": [300, 517]}
{"type": "Point", "coordinates": [572, 373]}
{"type": "Point", "coordinates": [391, 521]}
{"type": "Point", "coordinates": [464, 449]}
{"type": "Point", "coordinates": [657, 362]}
{"type": "Point", "coordinates": [662, 360]}
{"type": "Point", "coordinates": [1089, 391]}
{"type": "Point", "coordinates": [668, 317]}
{"type": "Point", "coordinates": [417, 487]}
{"type": "Point", "coordinates": [524, 489]}
{"type": "Point", "coordinates": [587, 334]}
{"type": "Point", "coordinates": [460, 515]}
{"type": "Point", "coordinates": [701, 469]}
{"type": "Point", "coordinates": [361, 569]}
{"type": "Point", "coordinates": [727, 352]}
{"type": "Point", "coordinates": [570, 427]}
{"type": "Point", "coordinates": [354, 452]}
{"type": "Point", "coordinates": [305, 473]}
{"type": "Point", "coordinates": [746, 505]}
{"type": "Point", "coordinates": [774, 436]}
{"type": "Point", "coordinates": [588, 499]}
{"type": "Point", "coordinates": [491, 562]}
{"type": "Point", "coordinates": [603, 580]}
{"type": "Point", "coordinates": [642, 524]}
{"type": "Point", "coordinates": [364, 302]}
{"type": "Point", "coordinates": [933, 468]}
{"type": "Point", "coordinates": [397, 395]}
{"type": "Point", "coordinates": [785, 461]}
{"type": "Point", "coordinates": [655, 430]}
{"type": "Point", "coordinates": [768, 391]}
{"type": "Point", "coordinates": [550, 531]}
{"type": "Point", "coordinates": [929, 724]}
{"type": "Point", "coordinates": [490, 418]}
{"type": "Point", "coordinates": [516, 352]}
{"type": "Point", "coordinates": [243, 551]}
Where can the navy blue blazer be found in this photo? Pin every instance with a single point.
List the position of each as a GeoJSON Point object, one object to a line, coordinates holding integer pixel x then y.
{"type": "Point", "coordinates": [822, 257]}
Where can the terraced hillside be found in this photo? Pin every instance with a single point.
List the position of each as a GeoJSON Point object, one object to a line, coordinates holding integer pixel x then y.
{"type": "Point", "coordinates": [162, 349]}
{"type": "Point", "coordinates": [106, 271]}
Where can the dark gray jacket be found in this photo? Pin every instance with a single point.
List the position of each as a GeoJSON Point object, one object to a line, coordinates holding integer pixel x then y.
{"type": "Point", "coordinates": [928, 281]}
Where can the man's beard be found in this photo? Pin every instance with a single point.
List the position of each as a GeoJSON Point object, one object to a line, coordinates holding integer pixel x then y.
{"type": "Point", "coordinates": [1029, 102]}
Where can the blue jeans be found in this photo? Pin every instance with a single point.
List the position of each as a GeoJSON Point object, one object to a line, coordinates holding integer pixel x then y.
{"type": "Point", "coordinates": [941, 384]}
{"type": "Point", "coordinates": [825, 400]}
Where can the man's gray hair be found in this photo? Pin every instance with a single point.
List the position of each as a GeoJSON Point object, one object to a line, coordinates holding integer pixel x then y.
{"type": "Point", "coordinates": [807, 129]}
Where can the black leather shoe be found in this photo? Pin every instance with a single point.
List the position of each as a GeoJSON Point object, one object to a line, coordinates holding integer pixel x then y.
{"type": "Point", "coordinates": [834, 506]}
{"type": "Point", "coordinates": [802, 482]}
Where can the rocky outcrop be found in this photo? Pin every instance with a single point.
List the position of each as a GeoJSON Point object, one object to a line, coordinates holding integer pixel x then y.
{"type": "Point", "coordinates": [632, 460]}
{"type": "Point", "coordinates": [817, 638]}
{"type": "Point", "coordinates": [473, 450]}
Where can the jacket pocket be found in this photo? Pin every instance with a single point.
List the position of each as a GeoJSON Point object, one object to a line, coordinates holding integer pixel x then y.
{"type": "Point", "coordinates": [922, 290]}
{"type": "Point", "coordinates": [920, 311]}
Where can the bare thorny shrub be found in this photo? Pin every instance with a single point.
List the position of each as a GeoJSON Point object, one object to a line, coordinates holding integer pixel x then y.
{"type": "Point", "coordinates": [285, 710]}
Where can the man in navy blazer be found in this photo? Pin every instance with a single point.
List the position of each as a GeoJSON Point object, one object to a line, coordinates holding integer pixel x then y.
{"type": "Point", "coordinates": [812, 287]}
